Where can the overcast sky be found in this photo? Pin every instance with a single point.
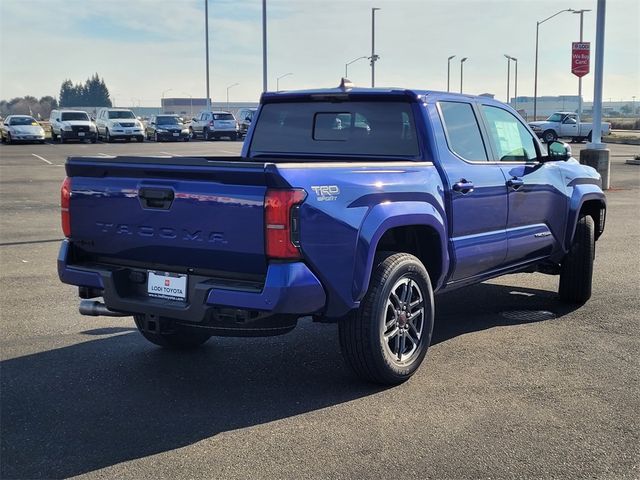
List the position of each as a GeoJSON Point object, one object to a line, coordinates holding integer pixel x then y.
{"type": "Point", "coordinates": [144, 47]}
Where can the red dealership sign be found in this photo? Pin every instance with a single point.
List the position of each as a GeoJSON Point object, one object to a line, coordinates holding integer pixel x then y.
{"type": "Point", "coordinates": [580, 55]}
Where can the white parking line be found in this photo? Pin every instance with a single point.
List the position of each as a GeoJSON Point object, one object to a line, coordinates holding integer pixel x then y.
{"type": "Point", "coordinates": [42, 158]}
{"type": "Point", "coordinates": [104, 154]}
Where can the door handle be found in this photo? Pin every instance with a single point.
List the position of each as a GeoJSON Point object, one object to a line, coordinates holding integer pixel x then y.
{"type": "Point", "coordinates": [463, 186]}
{"type": "Point", "coordinates": [160, 198]}
{"type": "Point", "coordinates": [515, 183]}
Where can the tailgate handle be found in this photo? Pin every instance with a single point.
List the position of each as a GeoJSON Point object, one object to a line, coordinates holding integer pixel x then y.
{"type": "Point", "coordinates": [160, 198]}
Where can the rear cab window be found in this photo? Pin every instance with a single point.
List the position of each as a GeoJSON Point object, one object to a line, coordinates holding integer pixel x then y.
{"type": "Point", "coordinates": [462, 131]}
{"type": "Point", "coordinates": [345, 128]}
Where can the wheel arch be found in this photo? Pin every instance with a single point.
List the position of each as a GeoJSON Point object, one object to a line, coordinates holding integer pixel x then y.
{"type": "Point", "coordinates": [421, 232]}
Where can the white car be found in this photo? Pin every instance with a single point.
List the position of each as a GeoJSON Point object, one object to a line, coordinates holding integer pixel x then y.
{"type": "Point", "coordinates": [115, 123]}
{"type": "Point", "coordinates": [566, 125]}
{"type": "Point", "coordinates": [21, 128]}
{"type": "Point", "coordinates": [212, 125]}
{"type": "Point", "coordinates": [72, 125]}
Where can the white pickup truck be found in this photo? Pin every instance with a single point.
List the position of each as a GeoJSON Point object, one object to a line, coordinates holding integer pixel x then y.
{"type": "Point", "coordinates": [565, 125]}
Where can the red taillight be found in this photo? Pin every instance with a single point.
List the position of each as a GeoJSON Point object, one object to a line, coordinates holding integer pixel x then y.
{"type": "Point", "coordinates": [65, 196]}
{"type": "Point", "coordinates": [282, 229]}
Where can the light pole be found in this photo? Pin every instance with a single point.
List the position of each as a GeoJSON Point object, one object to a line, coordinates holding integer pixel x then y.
{"type": "Point", "coordinates": [515, 86]}
{"type": "Point", "coordinates": [449, 70]}
{"type": "Point", "coordinates": [278, 80]}
{"type": "Point", "coordinates": [508, 75]}
{"type": "Point", "coordinates": [206, 47]}
{"type": "Point", "coordinates": [581, 12]}
{"type": "Point", "coordinates": [264, 45]}
{"type": "Point", "coordinates": [515, 99]}
{"type": "Point", "coordinates": [346, 66]}
{"type": "Point", "coordinates": [374, 57]}
{"type": "Point", "coordinates": [462, 60]}
{"type": "Point", "coordinates": [162, 101]}
{"type": "Point", "coordinates": [228, 88]}
{"type": "Point", "coordinates": [535, 79]}
{"type": "Point", "coordinates": [633, 104]}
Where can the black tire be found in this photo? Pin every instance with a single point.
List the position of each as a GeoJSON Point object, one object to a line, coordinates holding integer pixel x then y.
{"type": "Point", "coordinates": [589, 137]}
{"type": "Point", "coordinates": [205, 134]}
{"type": "Point", "coordinates": [576, 270]}
{"type": "Point", "coordinates": [8, 138]}
{"type": "Point", "coordinates": [94, 139]}
{"type": "Point", "coordinates": [107, 136]}
{"type": "Point", "coordinates": [140, 138]}
{"type": "Point", "coordinates": [362, 333]}
{"type": "Point", "coordinates": [62, 140]}
{"type": "Point", "coordinates": [155, 136]}
{"type": "Point", "coordinates": [191, 133]}
{"type": "Point", "coordinates": [176, 340]}
{"type": "Point", "coordinates": [54, 137]}
{"type": "Point", "coordinates": [549, 136]}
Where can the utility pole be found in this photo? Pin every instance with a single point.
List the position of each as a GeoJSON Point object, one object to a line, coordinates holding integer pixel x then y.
{"type": "Point", "coordinates": [206, 43]}
{"type": "Point", "coordinates": [596, 154]}
{"type": "Point", "coordinates": [264, 45]}
{"type": "Point", "coordinates": [374, 57]}
{"type": "Point", "coordinates": [581, 12]}
{"type": "Point", "coordinates": [449, 70]}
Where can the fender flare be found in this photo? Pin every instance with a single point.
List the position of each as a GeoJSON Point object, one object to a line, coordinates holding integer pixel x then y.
{"type": "Point", "coordinates": [581, 194]}
{"type": "Point", "coordinates": [379, 220]}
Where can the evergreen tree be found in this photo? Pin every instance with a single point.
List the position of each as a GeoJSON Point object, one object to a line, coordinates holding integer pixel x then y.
{"type": "Point", "coordinates": [66, 93]}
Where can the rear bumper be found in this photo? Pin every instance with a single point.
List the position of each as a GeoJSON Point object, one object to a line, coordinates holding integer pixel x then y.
{"type": "Point", "coordinates": [289, 289]}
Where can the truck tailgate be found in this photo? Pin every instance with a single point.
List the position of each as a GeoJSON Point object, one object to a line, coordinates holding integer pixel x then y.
{"type": "Point", "coordinates": [156, 212]}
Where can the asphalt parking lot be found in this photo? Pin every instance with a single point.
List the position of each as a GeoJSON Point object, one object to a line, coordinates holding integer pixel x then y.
{"type": "Point", "coordinates": [515, 385]}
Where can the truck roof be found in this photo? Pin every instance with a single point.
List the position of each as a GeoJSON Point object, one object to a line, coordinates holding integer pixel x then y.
{"type": "Point", "coordinates": [269, 97]}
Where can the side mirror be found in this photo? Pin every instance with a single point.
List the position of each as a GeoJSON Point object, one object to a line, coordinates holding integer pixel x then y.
{"type": "Point", "coordinates": [57, 119]}
{"type": "Point", "coordinates": [247, 119]}
{"type": "Point", "coordinates": [558, 151]}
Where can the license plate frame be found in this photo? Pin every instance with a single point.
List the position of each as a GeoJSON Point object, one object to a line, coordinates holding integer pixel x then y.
{"type": "Point", "coordinates": [167, 285]}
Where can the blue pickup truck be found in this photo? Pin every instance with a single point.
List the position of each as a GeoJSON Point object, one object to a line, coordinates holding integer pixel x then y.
{"type": "Point", "coordinates": [346, 204]}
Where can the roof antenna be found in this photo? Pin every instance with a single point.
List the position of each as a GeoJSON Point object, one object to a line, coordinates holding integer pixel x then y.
{"type": "Point", "coordinates": [345, 84]}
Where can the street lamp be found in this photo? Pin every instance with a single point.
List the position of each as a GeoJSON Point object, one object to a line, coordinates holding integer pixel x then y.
{"type": "Point", "coordinates": [515, 86]}
{"type": "Point", "coordinates": [449, 70]}
{"type": "Point", "coordinates": [462, 60]}
{"type": "Point", "coordinates": [278, 80]}
{"type": "Point", "coordinates": [535, 80]}
{"type": "Point", "coordinates": [374, 57]}
{"type": "Point", "coordinates": [508, 57]}
{"type": "Point", "coordinates": [346, 66]}
{"type": "Point", "coordinates": [228, 88]}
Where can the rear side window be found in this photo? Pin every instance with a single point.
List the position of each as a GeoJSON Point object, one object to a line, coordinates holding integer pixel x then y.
{"type": "Point", "coordinates": [378, 129]}
{"type": "Point", "coordinates": [223, 116]}
{"type": "Point", "coordinates": [463, 132]}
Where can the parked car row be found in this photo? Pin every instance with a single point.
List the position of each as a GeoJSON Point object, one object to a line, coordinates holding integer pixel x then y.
{"type": "Point", "coordinates": [113, 124]}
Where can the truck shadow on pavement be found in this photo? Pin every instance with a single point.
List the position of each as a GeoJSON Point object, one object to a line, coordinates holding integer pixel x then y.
{"type": "Point", "coordinates": [97, 403]}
